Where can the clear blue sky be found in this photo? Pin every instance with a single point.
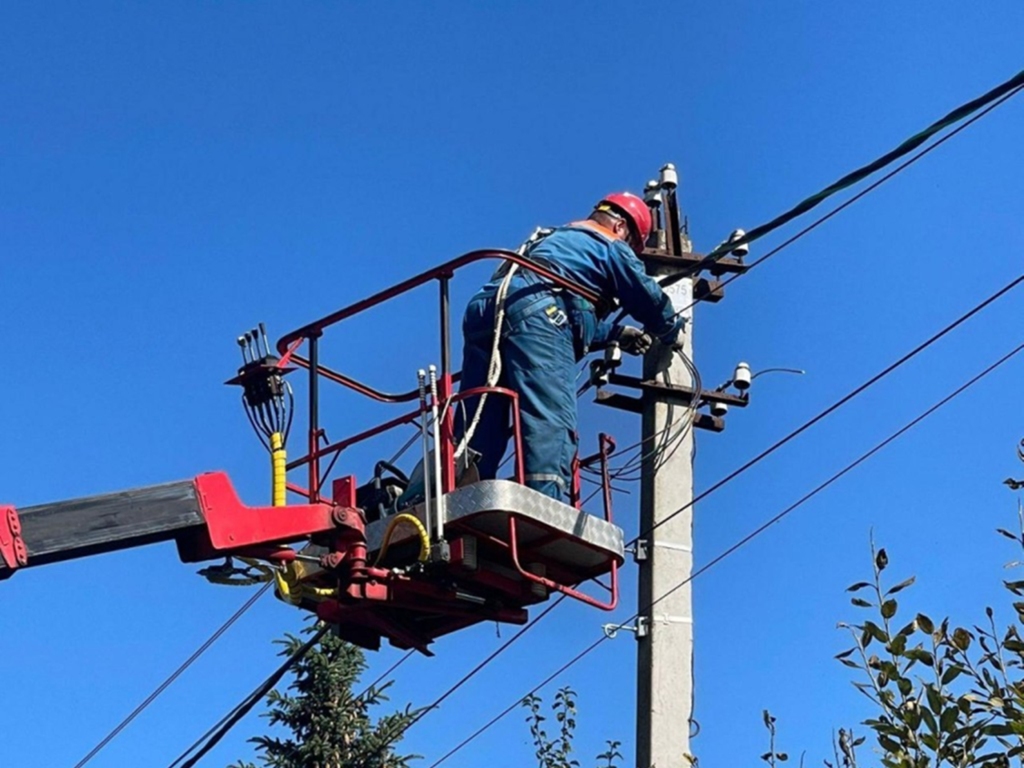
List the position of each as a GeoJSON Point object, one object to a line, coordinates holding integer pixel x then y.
{"type": "Point", "coordinates": [172, 173]}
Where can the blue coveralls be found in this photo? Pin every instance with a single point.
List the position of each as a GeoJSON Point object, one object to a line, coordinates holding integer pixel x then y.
{"type": "Point", "coordinates": [545, 332]}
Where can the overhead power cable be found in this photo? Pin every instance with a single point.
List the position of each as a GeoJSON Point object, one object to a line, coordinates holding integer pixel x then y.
{"type": "Point", "coordinates": [991, 99]}
{"type": "Point", "coordinates": [391, 739]}
{"type": "Point", "coordinates": [837, 404]}
{"type": "Point", "coordinates": [173, 676]}
{"type": "Point", "coordinates": [843, 206]}
{"type": "Point", "coordinates": [739, 544]}
{"type": "Point", "coordinates": [1007, 89]}
{"type": "Point", "coordinates": [212, 737]}
{"type": "Point", "coordinates": [736, 473]}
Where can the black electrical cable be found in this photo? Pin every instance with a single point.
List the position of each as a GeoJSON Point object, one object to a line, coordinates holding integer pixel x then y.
{"type": "Point", "coordinates": [997, 94]}
{"type": "Point", "coordinates": [391, 739]}
{"type": "Point", "coordinates": [211, 738]}
{"type": "Point", "coordinates": [870, 188]}
{"type": "Point", "coordinates": [1002, 93]}
{"type": "Point", "coordinates": [387, 672]}
{"type": "Point", "coordinates": [838, 403]}
{"type": "Point", "coordinates": [173, 676]}
{"type": "Point", "coordinates": [742, 542]}
{"type": "Point", "coordinates": [760, 457]}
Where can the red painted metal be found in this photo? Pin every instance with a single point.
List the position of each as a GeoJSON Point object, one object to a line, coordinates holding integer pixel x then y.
{"type": "Point", "coordinates": [410, 417]}
{"type": "Point", "coordinates": [607, 447]}
{"type": "Point", "coordinates": [12, 546]}
{"type": "Point", "coordinates": [230, 524]}
{"type": "Point", "coordinates": [343, 491]}
{"type": "Point", "coordinates": [445, 270]}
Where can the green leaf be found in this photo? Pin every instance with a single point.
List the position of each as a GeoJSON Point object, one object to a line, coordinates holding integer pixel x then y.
{"type": "Point", "coordinates": [961, 638]}
{"type": "Point", "coordinates": [1017, 587]}
{"type": "Point", "coordinates": [1013, 645]}
{"type": "Point", "coordinates": [905, 686]}
{"type": "Point", "coordinates": [1007, 534]}
{"type": "Point", "coordinates": [840, 656]}
{"type": "Point", "coordinates": [861, 603]}
{"type": "Point", "coordinates": [889, 745]}
{"type": "Point", "coordinates": [921, 655]}
{"type": "Point", "coordinates": [881, 560]}
{"type": "Point", "coordinates": [947, 723]}
{"type": "Point", "coordinates": [875, 631]}
{"type": "Point", "coordinates": [898, 645]}
{"type": "Point", "coordinates": [934, 698]}
{"type": "Point", "coordinates": [782, 756]}
{"type": "Point", "coordinates": [998, 729]}
{"type": "Point", "coordinates": [952, 674]}
{"type": "Point", "coordinates": [889, 609]}
{"type": "Point", "coordinates": [924, 623]}
{"type": "Point", "coordinates": [901, 586]}
{"type": "Point", "coordinates": [929, 720]}
{"type": "Point", "coordinates": [909, 629]}
{"type": "Point", "coordinates": [858, 586]}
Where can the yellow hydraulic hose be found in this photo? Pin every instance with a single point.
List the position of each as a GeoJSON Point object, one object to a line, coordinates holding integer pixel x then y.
{"type": "Point", "coordinates": [415, 522]}
{"type": "Point", "coordinates": [279, 459]}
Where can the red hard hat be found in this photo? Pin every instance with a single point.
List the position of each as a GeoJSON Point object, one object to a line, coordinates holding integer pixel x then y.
{"type": "Point", "coordinates": [636, 212]}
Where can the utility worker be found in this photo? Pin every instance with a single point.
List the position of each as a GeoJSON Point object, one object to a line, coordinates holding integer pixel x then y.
{"type": "Point", "coordinates": [545, 331]}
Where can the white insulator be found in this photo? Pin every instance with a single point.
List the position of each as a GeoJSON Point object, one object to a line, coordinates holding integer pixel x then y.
{"type": "Point", "coordinates": [741, 377]}
{"type": "Point", "coordinates": [742, 249]}
{"type": "Point", "coordinates": [669, 176]}
{"type": "Point", "coordinates": [719, 409]}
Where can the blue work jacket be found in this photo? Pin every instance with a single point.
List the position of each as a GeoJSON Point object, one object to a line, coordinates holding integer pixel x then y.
{"type": "Point", "coordinates": [590, 255]}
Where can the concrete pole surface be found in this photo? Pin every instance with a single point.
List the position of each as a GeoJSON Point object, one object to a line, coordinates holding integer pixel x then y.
{"type": "Point", "coordinates": [665, 653]}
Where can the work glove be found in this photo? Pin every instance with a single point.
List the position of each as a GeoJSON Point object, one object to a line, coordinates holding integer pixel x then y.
{"type": "Point", "coordinates": [632, 340]}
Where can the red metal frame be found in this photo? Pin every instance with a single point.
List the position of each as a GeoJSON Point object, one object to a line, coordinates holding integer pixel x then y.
{"type": "Point", "coordinates": [231, 526]}
{"type": "Point", "coordinates": [399, 590]}
{"type": "Point", "coordinates": [607, 447]}
{"type": "Point", "coordinates": [12, 547]}
{"type": "Point", "coordinates": [289, 344]}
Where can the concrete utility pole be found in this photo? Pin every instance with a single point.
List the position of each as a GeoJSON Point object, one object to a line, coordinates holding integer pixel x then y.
{"type": "Point", "coordinates": [665, 555]}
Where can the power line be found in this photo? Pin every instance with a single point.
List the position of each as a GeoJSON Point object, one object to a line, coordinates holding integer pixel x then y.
{"type": "Point", "coordinates": [998, 94]}
{"type": "Point", "coordinates": [743, 542]}
{"type": "Point", "coordinates": [212, 737]}
{"type": "Point", "coordinates": [871, 187]}
{"type": "Point", "coordinates": [760, 457]}
{"type": "Point", "coordinates": [993, 99]}
{"type": "Point", "coordinates": [173, 676]}
{"type": "Point", "coordinates": [839, 403]}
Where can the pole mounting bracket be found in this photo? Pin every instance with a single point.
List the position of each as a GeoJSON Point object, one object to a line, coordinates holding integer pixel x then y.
{"type": "Point", "coordinates": [640, 629]}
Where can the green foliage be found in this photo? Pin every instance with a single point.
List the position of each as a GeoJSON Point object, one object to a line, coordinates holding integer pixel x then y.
{"type": "Point", "coordinates": [556, 751]}
{"type": "Point", "coordinates": [945, 695]}
{"type": "Point", "coordinates": [329, 726]}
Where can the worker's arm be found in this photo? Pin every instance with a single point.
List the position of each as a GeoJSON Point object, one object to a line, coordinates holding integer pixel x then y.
{"type": "Point", "coordinates": [641, 296]}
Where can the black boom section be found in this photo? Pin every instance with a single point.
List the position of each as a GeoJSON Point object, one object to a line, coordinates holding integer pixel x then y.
{"type": "Point", "coordinates": [66, 530]}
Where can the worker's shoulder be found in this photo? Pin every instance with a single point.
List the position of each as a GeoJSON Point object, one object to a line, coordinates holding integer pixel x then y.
{"type": "Point", "coordinates": [577, 237]}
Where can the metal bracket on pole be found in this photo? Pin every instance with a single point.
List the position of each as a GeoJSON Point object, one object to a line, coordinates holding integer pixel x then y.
{"type": "Point", "coordinates": [640, 629]}
{"type": "Point", "coordinates": [639, 550]}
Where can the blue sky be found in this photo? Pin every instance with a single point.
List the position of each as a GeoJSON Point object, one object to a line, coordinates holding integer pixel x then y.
{"type": "Point", "coordinates": [173, 173]}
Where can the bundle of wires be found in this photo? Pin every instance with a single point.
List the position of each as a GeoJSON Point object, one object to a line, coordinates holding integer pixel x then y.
{"type": "Point", "coordinates": [667, 440]}
{"type": "Point", "coordinates": [273, 415]}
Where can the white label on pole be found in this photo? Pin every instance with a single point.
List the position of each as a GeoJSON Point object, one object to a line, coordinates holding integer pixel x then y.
{"type": "Point", "coordinates": [681, 294]}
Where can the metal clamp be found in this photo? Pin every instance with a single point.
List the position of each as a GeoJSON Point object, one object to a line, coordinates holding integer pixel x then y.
{"type": "Point", "coordinates": [12, 546]}
{"type": "Point", "coordinates": [640, 629]}
{"type": "Point", "coordinates": [639, 550]}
